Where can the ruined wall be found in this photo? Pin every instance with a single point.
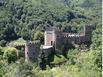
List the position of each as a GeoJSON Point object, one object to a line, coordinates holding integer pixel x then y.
{"type": "Point", "coordinates": [73, 38]}
{"type": "Point", "coordinates": [78, 38]}
{"type": "Point", "coordinates": [32, 51]}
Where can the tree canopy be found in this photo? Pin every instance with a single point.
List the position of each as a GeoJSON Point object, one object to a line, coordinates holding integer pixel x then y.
{"type": "Point", "coordinates": [28, 19]}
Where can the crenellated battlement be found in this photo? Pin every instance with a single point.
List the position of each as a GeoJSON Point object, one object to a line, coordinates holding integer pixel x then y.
{"type": "Point", "coordinates": [71, 35]}
{"type": "Point", "coordinates": [30, 43]}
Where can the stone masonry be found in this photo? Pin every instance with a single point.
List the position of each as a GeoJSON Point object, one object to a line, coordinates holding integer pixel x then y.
{"type": "Point", "coordinates": [32, 51]}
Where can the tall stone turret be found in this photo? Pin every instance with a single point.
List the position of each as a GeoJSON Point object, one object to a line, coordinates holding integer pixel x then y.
{"type": "Point", "coordinates": [87, 33]}
{"type": "Point", "coordinates": [53, 36]}
{"type": "Point", "coordinates": [50, 36]}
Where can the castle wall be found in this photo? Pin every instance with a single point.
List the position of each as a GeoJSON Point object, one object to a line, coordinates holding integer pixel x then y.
{"type": "Point", "coordinates": [58, 39]}
{"type": "Point", "coordinates": [47, 50]}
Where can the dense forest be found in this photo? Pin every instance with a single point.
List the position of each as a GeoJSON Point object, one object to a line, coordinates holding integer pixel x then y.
{"type": "Point", "coordinates": [28, 19]}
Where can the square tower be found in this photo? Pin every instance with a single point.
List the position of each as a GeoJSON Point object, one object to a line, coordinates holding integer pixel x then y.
{"type": "Point", "coordinates": [49, 37]}
{"type": "Point", "coordinates": [87, 33]}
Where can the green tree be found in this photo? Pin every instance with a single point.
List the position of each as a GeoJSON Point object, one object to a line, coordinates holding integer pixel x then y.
{"type": "Point", "coordinates": [39, 36]}
{"type": "Point", "coordinates": [10, 54]}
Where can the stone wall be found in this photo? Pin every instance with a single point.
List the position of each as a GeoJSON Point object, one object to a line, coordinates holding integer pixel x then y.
{"type": "Point", "coordinates": [32, 51]}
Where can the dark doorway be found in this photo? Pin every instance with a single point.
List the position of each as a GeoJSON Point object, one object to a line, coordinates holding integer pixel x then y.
{"type": "Point", "coordinates": [51, 42]}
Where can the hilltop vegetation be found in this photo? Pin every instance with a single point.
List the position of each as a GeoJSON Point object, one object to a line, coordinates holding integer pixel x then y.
{"type": "Point", "coordinates": [28, 19]}
{"type": "Point", "coordinates": [22, 18]}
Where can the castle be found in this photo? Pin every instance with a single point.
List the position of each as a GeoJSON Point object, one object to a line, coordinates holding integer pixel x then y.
{"type": "Point", "coordinates": [55, 38]}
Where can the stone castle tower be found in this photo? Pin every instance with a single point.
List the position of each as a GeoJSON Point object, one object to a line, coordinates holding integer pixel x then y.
{"type": "Point", "coordinates": [32, 50]}
{"type": "Point", "coordinates": [87, 33]}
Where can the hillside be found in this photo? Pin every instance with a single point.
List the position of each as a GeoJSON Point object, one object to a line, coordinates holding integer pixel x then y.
{"type": "Point", "coordinates": [22, 18]}
{"type": "Point", "coordinates": [28, 19]}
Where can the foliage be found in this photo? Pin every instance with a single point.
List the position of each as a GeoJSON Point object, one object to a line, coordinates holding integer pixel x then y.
{"type": "Point", "coordinates": [17, 42]}
{"type": "Point", "coordinates": [84, 66]}
{"type": "Point", "coordinates": [10, 54]}
{"type": "Point", "coordinates": [23, 18]}
{"type": "Point", "coordinates": [39, 36]}
{"type": "Point", "coordinates": [2, 43]}
{"type": "Point", "coordinates": [20, 69]}
{"type": "Point", "coordinates": [29, 18]}
{"type": "Point", "coordinates": [58, 59]}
